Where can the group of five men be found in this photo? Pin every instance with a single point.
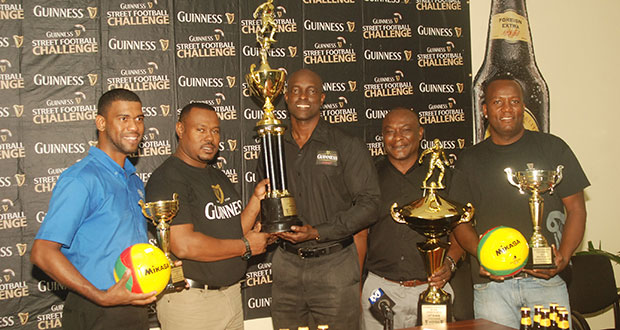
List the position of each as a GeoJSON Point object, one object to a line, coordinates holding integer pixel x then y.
{"type": "Point", "coordinates": [343, 205]}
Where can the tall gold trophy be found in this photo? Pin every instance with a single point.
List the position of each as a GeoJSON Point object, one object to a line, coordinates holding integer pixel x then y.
{"type": "Point", "coordinates": [161, 213]}
{"type": "Point", "coordinates": [537, 182]}
{"type": "Point", "coordinates": [433, 217]}
{"type": "Point", "coordinates": [278, 208]}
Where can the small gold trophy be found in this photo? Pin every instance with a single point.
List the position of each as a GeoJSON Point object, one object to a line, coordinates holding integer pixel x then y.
{"type": "Point", "coordinates": [161, 213]}
{"type": "Point", "coordinates": [537, 182]}
{"type": "Point", "coordinates": [433, 217]}
{"type": "Point", "coordinates": [278, 208]}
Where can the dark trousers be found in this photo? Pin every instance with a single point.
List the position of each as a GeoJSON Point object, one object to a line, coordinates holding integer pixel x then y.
{"type": "Point", "coordinates": [80, 313]}
{"type": "Point", "coordinates": [316, 291]}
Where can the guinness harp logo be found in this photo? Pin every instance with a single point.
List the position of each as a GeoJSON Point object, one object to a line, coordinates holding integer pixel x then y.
{"type": "Point", "coordinates": [92, 78]}
{"type": "Point", "coordinates": [352, 85]}
{"type": "Point", "coordinates": [292, 50]}
{"type": "Point", "coordinates": [5, 208]}
{"type": "Point", "coordinates": [19, 110]}
{"type": "Point", "coordinates": [219, 194]}
{"type": "Point", "coordinates": [19, 41]}
{"type": "Point", "coordinates": [460, 87]}
{"type": "Point", "coordinates": [459, 31]}
{"type": "Point", "coordinates": [461, 143]}
{"type": "Point", "coordinates": [92, 12]}
{"type": "Point", "coordinates": [230, 17]}
{"type": "Point", "coordinates": [23, 318]}
{"type": "Point", "coordinates": [231, 81]}
{"type": "Point", "coordinates": [150, 4]}
{"type": "Point", "coordinates": [408, 54]}
{"type": "Point", "coordinates": [92, 143]}
{"type": "Point", "coordinates": [165, 109]}
{"type": "Point", "coordinates": [20, 178]}
{"type": "Point", "coordinates": [165, 43]}
{"type": "Point", "coordinates": [351, 26]}
{"type": "Point", "coordinates": [232, 145]}
{"type": "Point", "coordinates": [21, 248]}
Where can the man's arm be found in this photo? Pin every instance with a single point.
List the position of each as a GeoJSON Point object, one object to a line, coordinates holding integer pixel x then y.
{"type": "Point", "coordinates": [361, 243]}
{"type": "Point", "coordinates": [47, 256]}
{"type": "Point", "coordinates": [443, 274]}
{"type": "Point", "coordinates": [250, 213]}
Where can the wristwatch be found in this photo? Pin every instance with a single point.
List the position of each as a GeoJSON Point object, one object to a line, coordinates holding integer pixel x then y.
{"type": "Point", "coordinates": [248, 251]}
{"type": "Point", "coordinates": [452, 264]}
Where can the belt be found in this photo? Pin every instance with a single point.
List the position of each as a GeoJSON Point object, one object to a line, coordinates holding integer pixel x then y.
{"type": "Point", "coordinates": [310, 252]}
{"type": "Point", "coordinates": [409, 283]}
{"type": "Point", "coordinates": [520, 274]}
{"type": "Point", "coordinates": [202, 285]}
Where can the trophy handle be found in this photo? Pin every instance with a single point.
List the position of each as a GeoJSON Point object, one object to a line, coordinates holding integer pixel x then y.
{"type": "Point", "coordinates": [144, 210]}
{"type": "Point", "coordinates": [558, 177]}
{"type": "Point", "coordinates": [467, 215]}
{"type": "Point", "coordinates": [396, 214]}
{"type": "Point", "coordinates": [511, 178]}
{"type": "Point", "coordinates": [175, 196]}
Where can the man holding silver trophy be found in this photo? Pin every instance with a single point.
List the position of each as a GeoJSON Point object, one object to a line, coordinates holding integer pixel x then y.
{"type": "Point", "coordinates": [211, 232]}
{"type": "Point", "coordinates": [480, 177]}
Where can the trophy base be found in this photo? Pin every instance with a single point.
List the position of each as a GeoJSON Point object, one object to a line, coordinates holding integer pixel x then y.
{"type": "Point", "coordinates": [541, 258]}
{"type": "Point", "coordinates": [278, 214]}
{"type": "Point", "coordinates": [177, 279]}
{"type": "Point", "coordinates": [437, 312]}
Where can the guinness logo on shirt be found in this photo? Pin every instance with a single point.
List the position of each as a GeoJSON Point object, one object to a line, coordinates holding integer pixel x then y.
{"type": "Point", "coordinates": [219, 194]}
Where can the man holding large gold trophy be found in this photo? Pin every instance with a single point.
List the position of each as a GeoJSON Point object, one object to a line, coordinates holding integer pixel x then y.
{"type": "Point", "coordinates": [211, 233]}
{"type": "Point", "coordinates": [485, 174]}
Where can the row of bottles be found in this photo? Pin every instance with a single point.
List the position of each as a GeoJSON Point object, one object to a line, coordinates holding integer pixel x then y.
{"type": "Point", "coordinates": [553, 318]}
{"type": "Point", "coordinates": [320, 327]}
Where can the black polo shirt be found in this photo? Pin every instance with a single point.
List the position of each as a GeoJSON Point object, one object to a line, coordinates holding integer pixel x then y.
{"type": "Point", "coordinates": [392, 251]}
{"type": "Point", "coordinates": [334, 183]}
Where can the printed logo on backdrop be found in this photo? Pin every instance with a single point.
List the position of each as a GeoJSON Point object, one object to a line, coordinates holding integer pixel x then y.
{"type": "Point", "coordinates": [218, 102]}
{"type": "Point", "coordinates": [222, 164]}
{"type": "Point", "coordinates": [339, 86]}
{"type": "Point", "coordinates": [442, 113]}
{"type": "Point", "coordinates": [74, 41]}
{"type": "Point", "coordinates": [6, 251]}
{"type": "Point", "coordinates": [337, 51]}
{"type": "Point", "coordinates": [376, 148]}
{"type": "Point", "coordinates": [10, 217]}
{"type": "Point", "coordinates": [209, 82]}
{"type": "Point", "coordinates": [328, 2]}
{"type": "Point", "coordinates": [141, 13]}
{"type": "Point", "coordinates": [339, 112]}
{"type": "Point", "coordinates": [382, 55]}
{"type": "Point", "coordinates": [153, 45]}
{"type": "Point", "coordinates": [322, 26]}
{"type": "Point", "coordinates": [387, 86]}
{"type": "Point", "coordinates": [76, 108]}
{"type": "Point", "coordinates": [205, 18]}
{"type": "Point", "coordinates": [10, 286]}
{"type": "Point", "coordinates": [8, 78]}
{"type": "Point", "coordinates": [387, 28]}
{"type": "Point", "coordinates": [257, 114]}
{"type": "Point", "coordinates": [15, 180]}
{"type": "Point", "coordinates": [139, 79]}
{"type": "Point", "coordinates": [228, 145]}
{"type": "Point", "coordinates": [11, 11]}
{"type": "Point", "coordinates": [443, 55]}
{"type": "Point", "coordinates": [46, 183]}
{"type": "Point", "coordinates": [7, 111]}
{"type": "Point", "coordinates": [10, 146]}
{"type": "Point", "coordinates": [18, 41]}
{"type": "Point", "coordinates": [446, 145]}
{"type": "Point", "coordinates": [208, 45]}
{"type": "Point", "coordinates": [425, 87]}
{"type": "Point", "coordinates": [406, 2]}
{"type": "Point", "coordinates": [62, 80]}
{"type": "Point", "coordinates": [50, 319]}
{"type": "Point", "coordinates": [438, 5]}
{"type": "Point", "coordinates": [64, 12]}
{"type": "Point", "coordinates": [283, 25]}
{"type": "Point", "coordinates": [152, 145]}
{"type": "Point", "coordinates": [435, 31]}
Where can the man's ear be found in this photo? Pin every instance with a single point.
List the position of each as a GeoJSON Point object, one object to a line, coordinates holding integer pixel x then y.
{"type": "Point", "coordinates": [100, 123]}
{"type": "Point", "coordinates": [484, 110]}
{"type": "Point", "coordinates": [180, 129]}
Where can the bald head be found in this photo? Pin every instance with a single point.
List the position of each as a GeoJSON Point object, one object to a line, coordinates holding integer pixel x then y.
{"type": "Point", "coordinates": [401, 136]}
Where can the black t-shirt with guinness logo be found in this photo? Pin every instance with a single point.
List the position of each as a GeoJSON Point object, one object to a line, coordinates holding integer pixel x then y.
{"type": "Point", "coordinates": [209, 201]}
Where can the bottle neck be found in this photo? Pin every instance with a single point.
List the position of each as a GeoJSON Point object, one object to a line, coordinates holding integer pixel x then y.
{"type": "Point", "coordinates": [509, 38]}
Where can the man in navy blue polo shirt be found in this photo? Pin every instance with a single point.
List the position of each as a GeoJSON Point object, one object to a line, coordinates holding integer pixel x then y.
{"type": "Point", "coordinates": [92, 217]}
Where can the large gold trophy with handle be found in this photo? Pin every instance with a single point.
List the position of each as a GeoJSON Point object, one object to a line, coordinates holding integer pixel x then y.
{"type": "Point", "coordinates": [278, 208]}
{"type": "Point", "coordinates": [433, 217]}
{"type": "Point", "coordinates": [161, 213]}
{"type": "Point", "coordinates": [537, 182]}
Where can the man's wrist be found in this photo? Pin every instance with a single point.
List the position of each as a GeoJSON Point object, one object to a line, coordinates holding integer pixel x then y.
{"type": "Point", "coordinates": [248, 251]}
{"type": "Point", "coordinates": [451, 263]}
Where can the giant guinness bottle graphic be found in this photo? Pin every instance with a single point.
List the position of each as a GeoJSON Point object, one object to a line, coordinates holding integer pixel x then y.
{"type": "Point", "coordinates": [510, 52]}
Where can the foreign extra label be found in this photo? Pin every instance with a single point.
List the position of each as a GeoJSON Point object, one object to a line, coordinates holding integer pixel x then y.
{"type": "Point", "coordinates": [510, 26]}
{"type": "Point", "coordinates": [289, 208]}
{"type": "Point", "coordinates": [434, 314]}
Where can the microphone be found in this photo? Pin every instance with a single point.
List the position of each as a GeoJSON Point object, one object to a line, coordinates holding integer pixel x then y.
{"type": "Point", "coordinates": [381, 306]}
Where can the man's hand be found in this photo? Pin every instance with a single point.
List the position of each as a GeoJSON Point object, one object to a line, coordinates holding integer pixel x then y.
{"type": "Point", "coordinates": [441, 276]}
{"type": "Point", "coordinates": [119, 295]}
{"type": "Point", "coordinates": [300, 234]}
{"type": "Point", "coordinates": [484, 272]}
{"type": "Point", "coordinates": [258, 240]}
{"type": "Point", "coordinates": [261, 189]}
{"type": "Point", "coordinates": [560, 263]}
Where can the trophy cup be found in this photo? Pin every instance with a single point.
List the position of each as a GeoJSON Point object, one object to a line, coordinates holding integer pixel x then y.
{"type": "Point", "coordinates": [433, 217]}
{"type": "Point", "coordinates": [278, 208]}
{"type": "Point", "coordinates": [161, 213]}
{"type": "Point", "coordinates": [537, 182]}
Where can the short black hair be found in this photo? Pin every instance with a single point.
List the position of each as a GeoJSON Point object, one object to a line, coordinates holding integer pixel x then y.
{"type": "Point", "coordinates": [499, 76]}
{"type": "Point", "coordinates": [186, 109]}
{"type": "Point", "coordinates": [118, 94]}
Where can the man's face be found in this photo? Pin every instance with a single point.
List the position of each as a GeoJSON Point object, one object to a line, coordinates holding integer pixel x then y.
{"type": "Point", "coordinates": [504, 109]}
{"type": "Point", "coordinates": [199, 136]}
{"type": "Point", "coordinates": [304, 95]}
{"type": "Point", "coordinates": [401, 135]}
{"type": "Point", "coordinates": [124, 126]}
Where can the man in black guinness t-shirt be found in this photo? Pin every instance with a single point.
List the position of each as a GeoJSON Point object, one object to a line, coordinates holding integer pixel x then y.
{"type": "Point", "coordinates": [211, 232]}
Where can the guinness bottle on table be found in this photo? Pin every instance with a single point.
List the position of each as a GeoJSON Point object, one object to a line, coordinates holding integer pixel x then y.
{"type": "Point", "coordinates": [526, 319]}
{"type": "Point", "coordinates": [510, 53]}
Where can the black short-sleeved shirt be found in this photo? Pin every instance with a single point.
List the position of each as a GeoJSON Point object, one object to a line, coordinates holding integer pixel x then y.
{"type": "Point", "coordinates": [334, 183]}
{"type": "Point", "coordinates": [392, 251]}
{"type": "Point", "coordinates": [479, 178]}
{"type": "Point", "coordinates": [209, 201]}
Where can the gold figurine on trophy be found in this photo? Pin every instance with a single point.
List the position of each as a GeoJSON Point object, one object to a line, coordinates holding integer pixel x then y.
{"type": "Point", "coordinates": [433, 217]}
{"type": "Point", "coordinates": [278, 208]}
